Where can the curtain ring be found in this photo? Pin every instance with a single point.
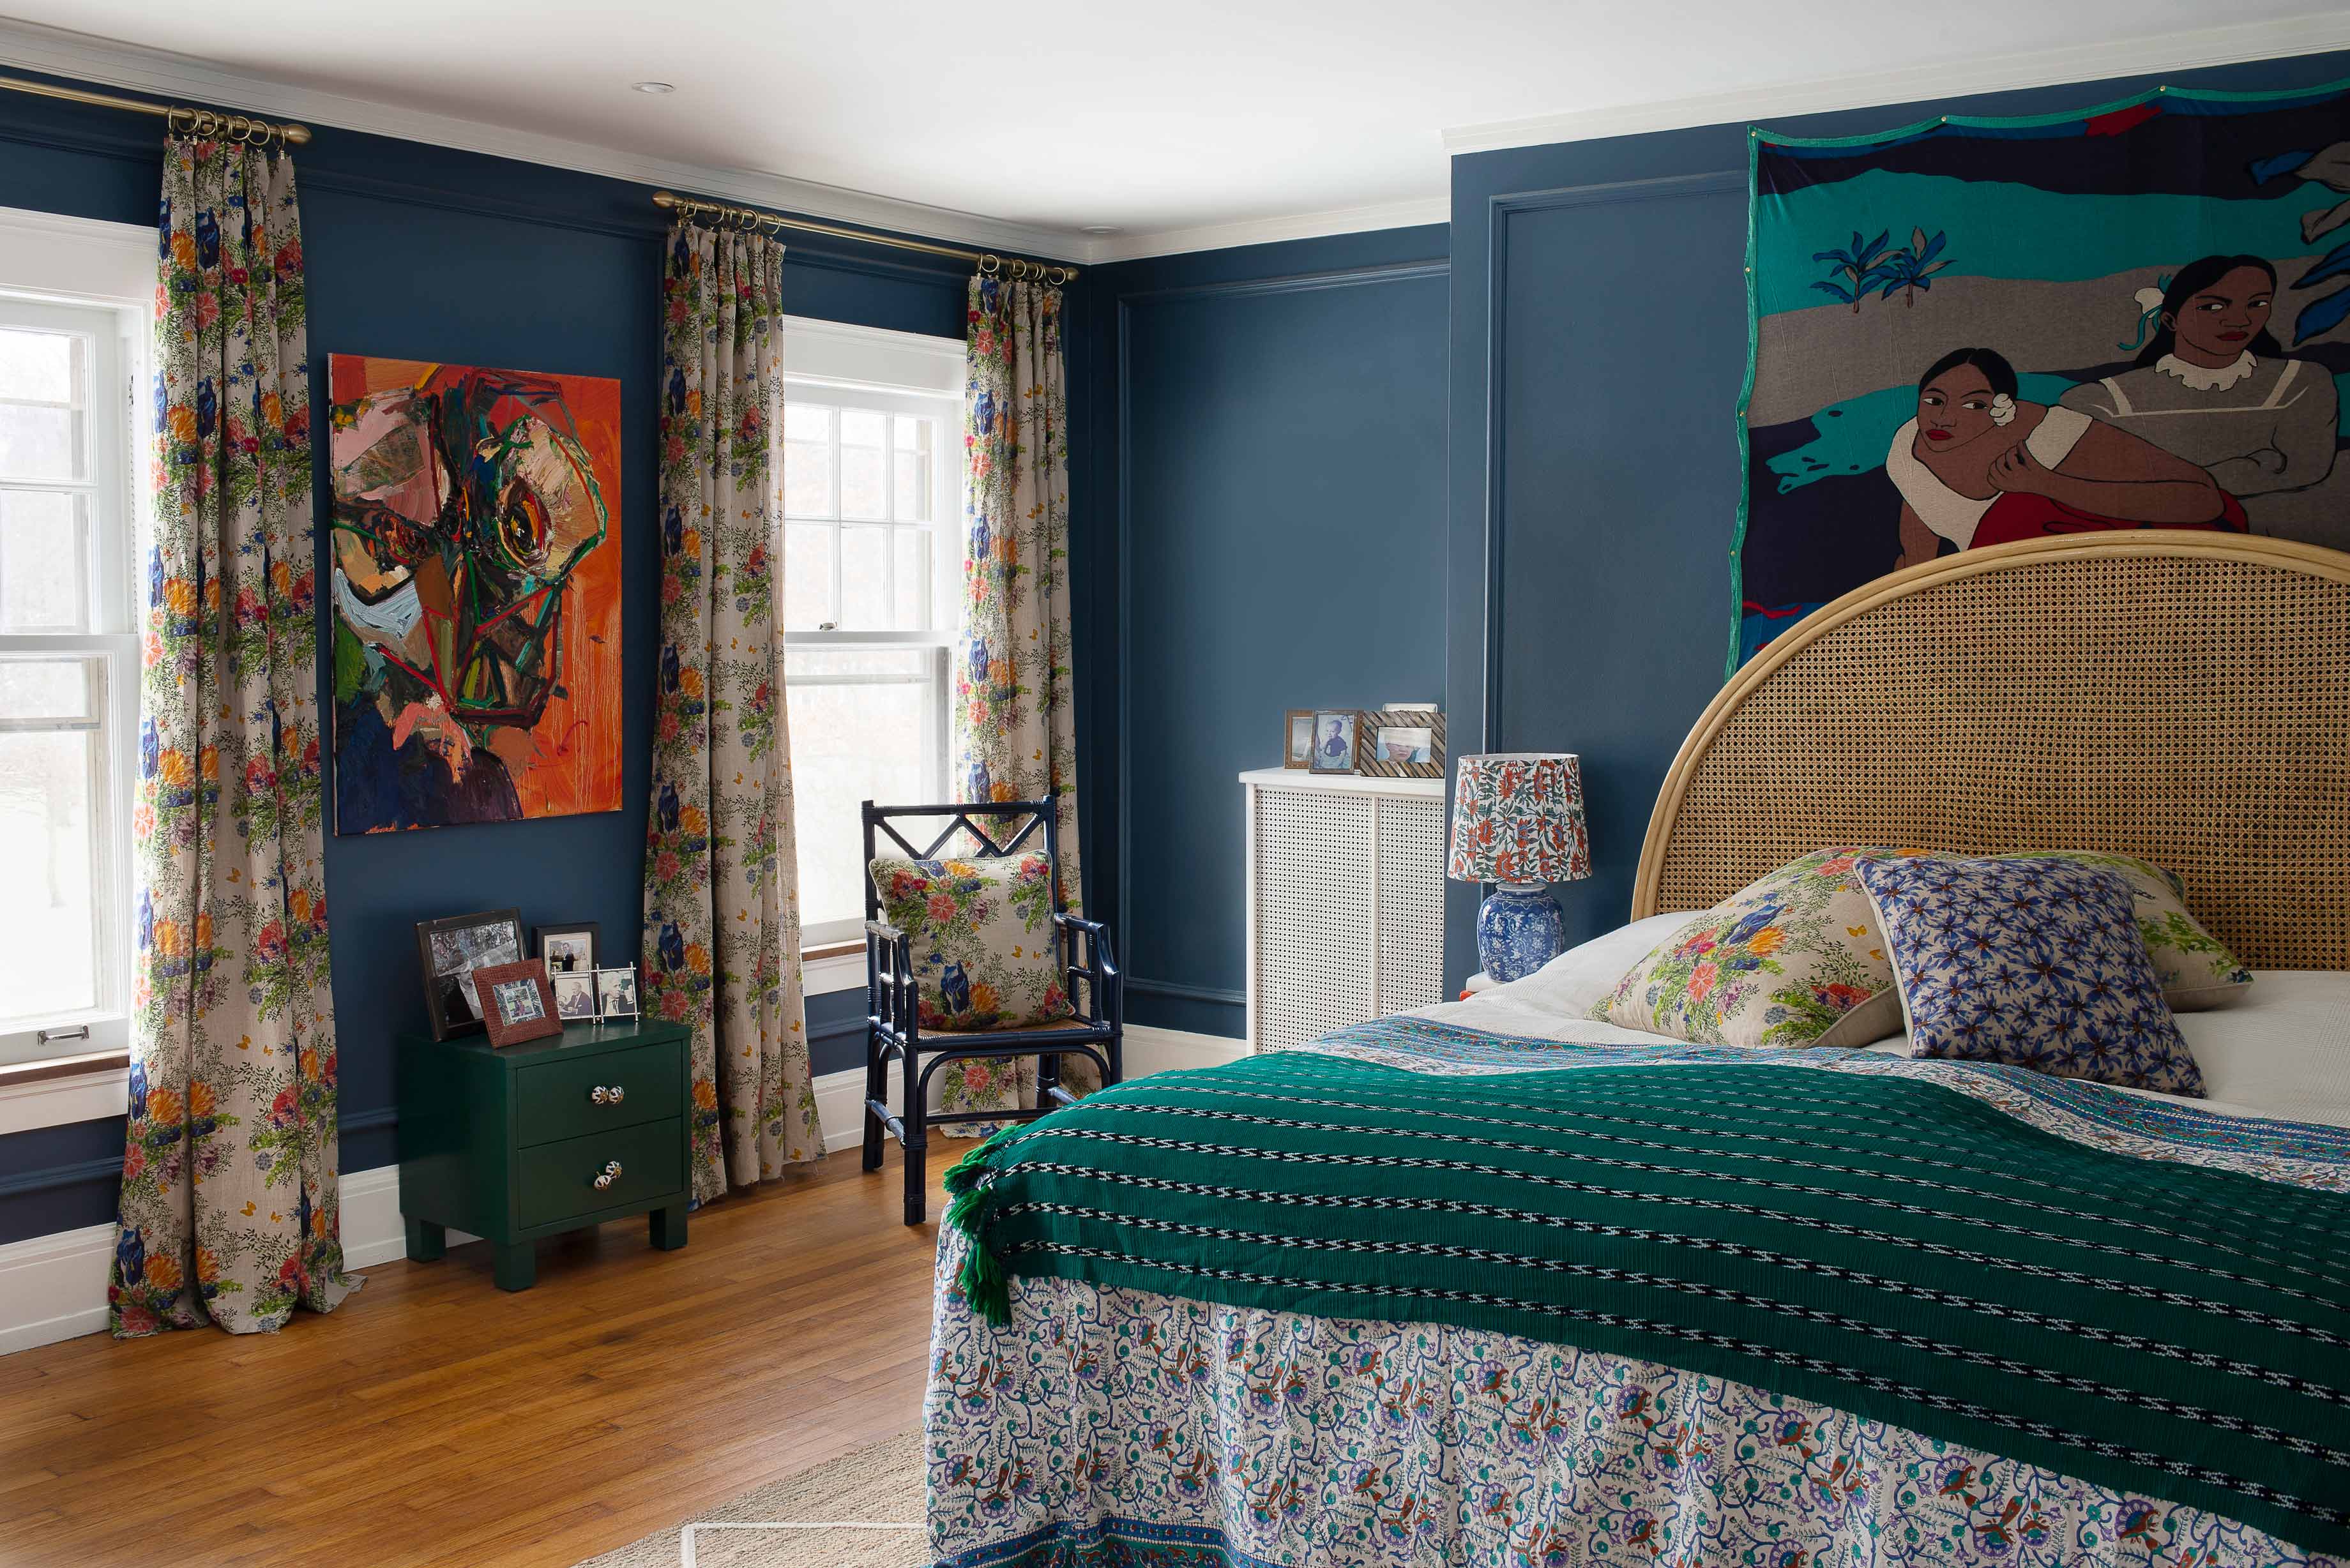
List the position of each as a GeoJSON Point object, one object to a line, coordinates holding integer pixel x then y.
{"type": "Point", "coordinates": [989, 264]}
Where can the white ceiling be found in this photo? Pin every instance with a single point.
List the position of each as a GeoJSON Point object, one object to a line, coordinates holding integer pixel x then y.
{"type": "Point", "coordinates": [1212, 124]}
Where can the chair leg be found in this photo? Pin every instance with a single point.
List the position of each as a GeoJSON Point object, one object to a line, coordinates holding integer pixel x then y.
{"type": "Point", "coordinates": [877, 1084]}
{"type": "Point", "coordinates": [1116, 1054]}
{"type": "Point", "coordinates": [918, 1141]}
{"type": "Point", "coordinates": [1048, 1078]}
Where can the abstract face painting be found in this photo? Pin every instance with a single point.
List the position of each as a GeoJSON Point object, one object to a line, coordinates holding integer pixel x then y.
{"type": "Point", "coordinates": [476, 594]}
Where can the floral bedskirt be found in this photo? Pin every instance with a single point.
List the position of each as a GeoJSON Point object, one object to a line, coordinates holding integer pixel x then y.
{"type": "Point", "coordinates": [1122, 1427]}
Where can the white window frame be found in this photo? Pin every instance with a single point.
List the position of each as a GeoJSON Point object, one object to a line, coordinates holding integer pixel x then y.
{"type": "Point", "coordinates": [81, 274]}
{"type": "Point", "coordinates": [902, 373]}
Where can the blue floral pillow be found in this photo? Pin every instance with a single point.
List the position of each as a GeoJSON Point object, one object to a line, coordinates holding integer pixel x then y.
{"type": "Point", "coordinates": [2034, 962]}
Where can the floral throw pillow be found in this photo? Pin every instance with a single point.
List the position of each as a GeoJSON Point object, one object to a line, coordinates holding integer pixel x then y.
{"type": "Point", "coordinates": [1796, 958]}
{"type": "Point", "coordinates": [2195, 967]}
{"type": "Point", "coordinates": [2035, 962]}
{"type": "Point", "coordinates": [981, 935]}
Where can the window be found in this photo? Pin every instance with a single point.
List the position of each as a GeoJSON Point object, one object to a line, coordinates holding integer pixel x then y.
{"type": "Point", "coordinates": [69, 676]}
{"type": "Point", "coordinates": [872, 576]}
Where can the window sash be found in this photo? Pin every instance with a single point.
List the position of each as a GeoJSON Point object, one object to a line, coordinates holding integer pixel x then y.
{"type": "Point", "coordinates": [941, 531]}
{"type": "Point", "coordinates": [934, 675]}
{"type": "Point", "coordinates": [110, 476]}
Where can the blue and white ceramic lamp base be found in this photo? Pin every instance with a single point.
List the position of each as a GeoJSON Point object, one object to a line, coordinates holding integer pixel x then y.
{"type": "Point", "coordinates": [1519, 929]}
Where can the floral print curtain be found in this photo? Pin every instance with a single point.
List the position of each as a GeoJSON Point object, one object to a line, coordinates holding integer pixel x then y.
{"type": "Point", "coordinates": [228, 1207]}
{"type": "Point", "coordinates": [1014, 699]}
{"type": "Point", "coordinates": [722, 938]}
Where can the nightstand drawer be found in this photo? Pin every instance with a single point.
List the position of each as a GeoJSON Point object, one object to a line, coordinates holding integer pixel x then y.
{"type": "Point", "coordinates": [618, 1089]}
{"type": "Point", "coordinates": [558, 1179]}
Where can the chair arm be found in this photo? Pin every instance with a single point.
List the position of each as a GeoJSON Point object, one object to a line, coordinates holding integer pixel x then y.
{"type": "Point", "coordinates": [1105, 983]}
{"type": "Point", "coordinates": [890, 987]}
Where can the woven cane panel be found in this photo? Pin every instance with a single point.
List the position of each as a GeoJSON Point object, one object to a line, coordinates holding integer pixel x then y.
{"type": "Point", "coordinates": [2190, 709]}
{"type": "Point", "coordinates": [1412, 904]}
{"type": "Point", "coordinates": [1312, 915]}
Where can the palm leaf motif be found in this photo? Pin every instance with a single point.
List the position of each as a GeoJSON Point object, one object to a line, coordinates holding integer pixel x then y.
{"type": "Point", "coordinates": [2328, 167]}
{"type": "Point", "coordinates": [1860, 266]}
{"type": "Point", "coordinates": [1913, 269]}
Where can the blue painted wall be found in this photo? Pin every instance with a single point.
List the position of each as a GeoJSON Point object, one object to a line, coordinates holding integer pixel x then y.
{"type": "Point", "coordinates": [424, 252]}
{"type": "Point", "coordinates": [1271, 421]}
{"type": "Point", "coordinates": [1597, 311]}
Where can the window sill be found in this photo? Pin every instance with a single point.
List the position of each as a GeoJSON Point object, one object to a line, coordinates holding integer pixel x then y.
{"type": "Point", "coordinates": [835, 966]}
{"type": "Point", "coordinates": [85, 1089]}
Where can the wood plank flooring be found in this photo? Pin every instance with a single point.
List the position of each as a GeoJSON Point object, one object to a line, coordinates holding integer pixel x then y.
{"type": "Point", "coordinates": [433, 1419]}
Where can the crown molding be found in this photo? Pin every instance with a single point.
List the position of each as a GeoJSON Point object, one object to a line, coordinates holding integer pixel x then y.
{"type": "Point", "coordinates": [2125, 56]}
{"type": "Point", "coordinates": [1269, 231]}
{"type": "Point", "coordinates": [156, 73]}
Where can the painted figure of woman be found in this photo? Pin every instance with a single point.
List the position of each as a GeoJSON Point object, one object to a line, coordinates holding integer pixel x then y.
{"type": "Point", "coordinates": [1977, 466]}
{"type": "Point", "coordinates": [2212, 385]}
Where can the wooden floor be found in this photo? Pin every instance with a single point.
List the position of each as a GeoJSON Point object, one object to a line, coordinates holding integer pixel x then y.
{"type": "Point", "coordinates": [435, 1419]}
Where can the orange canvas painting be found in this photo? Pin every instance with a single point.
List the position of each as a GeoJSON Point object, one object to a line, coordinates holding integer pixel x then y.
{"type": "Point", "coordinates": [477, 587]}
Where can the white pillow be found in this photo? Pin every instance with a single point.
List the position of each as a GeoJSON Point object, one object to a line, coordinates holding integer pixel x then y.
{"type": "Point", "coordinates": [1572, 983]}
{"type": "Point", "coordinates": [2284, 1051]}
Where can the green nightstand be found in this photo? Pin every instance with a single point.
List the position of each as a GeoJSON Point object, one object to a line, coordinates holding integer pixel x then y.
{"type": "Point", "coordinates": [551, 1136]}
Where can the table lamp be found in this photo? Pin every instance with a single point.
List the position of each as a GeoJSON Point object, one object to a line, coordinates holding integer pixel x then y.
{"type": "Point", "coordinates": [1517, 822]}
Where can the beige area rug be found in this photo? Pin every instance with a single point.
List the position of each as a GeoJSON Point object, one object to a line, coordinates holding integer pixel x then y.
{"type": "Point", "coordinates": [880, 1485]}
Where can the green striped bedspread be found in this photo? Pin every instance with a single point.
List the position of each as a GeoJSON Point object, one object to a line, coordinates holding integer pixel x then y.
{"type": "Point", "coordinates": [2106, 1288]}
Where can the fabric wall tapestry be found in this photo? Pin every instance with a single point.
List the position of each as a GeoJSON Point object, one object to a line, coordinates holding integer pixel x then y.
{"type": "Point", "coordinates": [1966, 332]}
{"type": "Point", "coordinates": [476, 594]}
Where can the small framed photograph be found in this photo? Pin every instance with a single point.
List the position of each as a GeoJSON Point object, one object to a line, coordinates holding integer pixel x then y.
{"type": "Point", "coordinates": [575, 996]}
{"type": "Point", "coordinates": [569, 949]}
{"type": "Point", "coordinates": [1404, 744]}
{"type": "Point", "coordinates": [517, 1001]}
{"type": "Point", "coordinates": [1297, 738]}
{"type": "Point", "coordinates": [616, 993]}
{"type": "Point", "coordinates": [1335, 732]}
{"type": "Point", "coordinates": [452, 949]}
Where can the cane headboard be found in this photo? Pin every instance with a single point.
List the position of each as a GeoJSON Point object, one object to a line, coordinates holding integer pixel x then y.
{"type": "Point", "coordinates": [2180, 696]}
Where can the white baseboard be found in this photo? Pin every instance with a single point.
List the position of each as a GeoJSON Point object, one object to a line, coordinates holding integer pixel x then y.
{"type": "Point", "coordinates": [53, 1287]}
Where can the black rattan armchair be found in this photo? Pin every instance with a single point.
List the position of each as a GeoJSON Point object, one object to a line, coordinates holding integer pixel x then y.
{"type": "Point", "coordinates": [893, 1029]}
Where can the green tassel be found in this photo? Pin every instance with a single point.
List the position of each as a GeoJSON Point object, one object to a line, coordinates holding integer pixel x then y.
{"type": "Point", "coordinates": [985, 1285]}
{"type": "Point", "coordinates": [970, 1185]}
{"type": "Point", "coordinates": [975, 1168]}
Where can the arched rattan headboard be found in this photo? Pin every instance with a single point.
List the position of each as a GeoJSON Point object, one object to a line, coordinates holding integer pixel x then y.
{"type": "Point", "coordinates": [2180, 696]}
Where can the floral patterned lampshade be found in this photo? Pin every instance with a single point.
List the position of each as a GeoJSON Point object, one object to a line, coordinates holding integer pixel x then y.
{"type": "Point", "coordinates": [1517, 817]}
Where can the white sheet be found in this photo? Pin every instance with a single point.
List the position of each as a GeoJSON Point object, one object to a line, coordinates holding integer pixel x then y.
{"type": "Point", "coordinates": [2283, 1052]}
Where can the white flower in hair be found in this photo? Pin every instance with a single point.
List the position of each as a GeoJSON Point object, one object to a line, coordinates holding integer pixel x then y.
{"type": "Point", "coordinates": [2150, 300]}
{"type": "Point", "coordinates": [2003, 410]}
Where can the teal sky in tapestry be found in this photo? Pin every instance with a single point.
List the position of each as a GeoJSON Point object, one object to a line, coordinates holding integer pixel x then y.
{"type": "Point", "coordinates": [1970, 332]}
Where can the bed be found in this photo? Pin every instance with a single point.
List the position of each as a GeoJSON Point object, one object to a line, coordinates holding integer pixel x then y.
{"type": "Point", "coordinates": [1494, 1284]}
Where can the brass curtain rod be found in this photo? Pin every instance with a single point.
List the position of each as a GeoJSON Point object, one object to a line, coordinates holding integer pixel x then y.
{"type": "Point", "coordinates": [242, 128]}
{"type": "Point", "coordinates": [987, 262]}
